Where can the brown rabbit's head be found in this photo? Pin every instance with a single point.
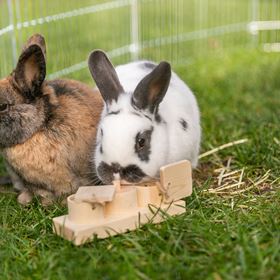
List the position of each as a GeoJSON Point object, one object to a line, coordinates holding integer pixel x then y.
{"type": "Point", "coordinates": [22, 101]}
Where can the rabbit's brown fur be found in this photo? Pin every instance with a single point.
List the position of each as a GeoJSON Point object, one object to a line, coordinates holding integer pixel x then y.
{"type": "Point", "coordinates": [48, 132]}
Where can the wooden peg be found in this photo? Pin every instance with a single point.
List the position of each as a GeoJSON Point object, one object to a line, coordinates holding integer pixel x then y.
{"type": "Point", "coordinates": [117, 185]}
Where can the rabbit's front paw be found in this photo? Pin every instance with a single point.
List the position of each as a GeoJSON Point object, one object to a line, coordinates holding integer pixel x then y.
{"type": "Point", "coordinates": [46, 197]}
{"type": "Point", "coordinates": [25, 197]}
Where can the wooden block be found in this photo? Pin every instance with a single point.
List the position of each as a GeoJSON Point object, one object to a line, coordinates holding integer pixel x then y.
{"type": "Point", "coordinates": [80, 234]}
{"type": "Point", "coordinates": [95, 194]}
{"type": "Point", "coordinates": [176, 181]}
{"type": "Point", "coordinates": [84, 212]}
{"type": "Point", "coordinates": [125, 201]}
{"type": "Point", "coordinates": [148, 195]}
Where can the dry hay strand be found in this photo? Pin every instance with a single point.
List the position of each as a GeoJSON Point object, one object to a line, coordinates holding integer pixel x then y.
{"type": "Point", "coordinates": [230, 181]}
{"type": "Point", "coordinates": [222, 147]}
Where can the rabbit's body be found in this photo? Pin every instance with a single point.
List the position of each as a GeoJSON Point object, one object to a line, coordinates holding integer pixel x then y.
{"type": "Point", "coordinates": [56, 157]}
{"type": "Point", "coordinates": [46, 139]}
{"type": "Point", "coordinates": [151, 118]}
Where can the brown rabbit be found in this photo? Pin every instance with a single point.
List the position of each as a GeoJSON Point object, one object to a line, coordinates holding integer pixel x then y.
{"type": "Point", "coordinates": [47, 128]}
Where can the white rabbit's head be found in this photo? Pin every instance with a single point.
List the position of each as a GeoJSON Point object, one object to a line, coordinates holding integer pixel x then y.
{"type": "Point", "coordinates": [131, 139]}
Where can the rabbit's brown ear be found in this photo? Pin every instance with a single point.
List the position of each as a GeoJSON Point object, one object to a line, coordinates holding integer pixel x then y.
{"type": "Point", "coordinates": [30, 71]}
{"type": "Point", "coordinates": [105, 76]}
{"type": "Point", "coordinates": [36, 39]}
{"type": "Point", "coordinates": [152, 88]}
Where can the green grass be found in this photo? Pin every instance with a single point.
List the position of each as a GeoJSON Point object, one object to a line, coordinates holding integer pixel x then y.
{"type": "Point", "coordinates": [221, 236]}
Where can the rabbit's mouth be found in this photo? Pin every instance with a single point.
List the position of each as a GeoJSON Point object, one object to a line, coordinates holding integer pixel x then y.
{"type": "Point", "coordinates": [109, 172]}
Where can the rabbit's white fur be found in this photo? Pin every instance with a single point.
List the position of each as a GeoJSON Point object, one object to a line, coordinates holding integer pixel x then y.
{"type": "Point", "coordinates": [171, 140]}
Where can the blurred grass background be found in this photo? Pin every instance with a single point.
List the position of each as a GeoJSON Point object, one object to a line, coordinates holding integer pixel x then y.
{"type": "Point", "coordinates": [231, 235]}
{"type": "Point", "coordinates": [176, 30]}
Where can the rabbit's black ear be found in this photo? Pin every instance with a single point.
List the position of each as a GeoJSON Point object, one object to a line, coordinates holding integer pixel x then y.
{"type": "Point", "coordinates": [30, 71]}
{"type": "Point", "coordinates": [105, 76]}
{"type": "Point", "coordinates": [152, 88]}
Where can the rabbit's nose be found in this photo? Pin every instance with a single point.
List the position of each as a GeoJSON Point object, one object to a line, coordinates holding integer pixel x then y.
{"type": "Point", "coordinates": [116, 167]}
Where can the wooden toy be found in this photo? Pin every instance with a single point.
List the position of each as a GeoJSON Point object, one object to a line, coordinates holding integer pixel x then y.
{"type": "Point", "coordinates": [109, 210]}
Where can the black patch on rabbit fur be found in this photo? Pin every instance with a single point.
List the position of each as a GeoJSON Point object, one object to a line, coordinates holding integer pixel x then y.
{"type": "Point", "coordinates": [143, 152]}
{"type": "Point", "coordinates": [141, 115]}
{"type": "Point", "coordinates": [131, 173]}
{"type": "Point", "coordinates": [149, 65]}
{"type": "Point", "coordinates": [184, 124]}
{"type": "Point", "coordinates": [158, 117]}
{"type": "Point", "coordinates": [61, 88]}
{"type": "Point", "coordinates": [114, 113]}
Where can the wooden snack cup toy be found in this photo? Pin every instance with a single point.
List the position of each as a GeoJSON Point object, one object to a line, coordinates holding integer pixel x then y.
{"type": "Point", "coordinates": [109, 210]}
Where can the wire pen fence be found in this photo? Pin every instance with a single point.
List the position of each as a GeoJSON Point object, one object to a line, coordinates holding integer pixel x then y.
{"type": "Point", "coordinates": [174, 30]}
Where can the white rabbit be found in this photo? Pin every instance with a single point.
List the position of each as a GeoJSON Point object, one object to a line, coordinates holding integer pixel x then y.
{"type": "Point", "coordinates": [150, 119]}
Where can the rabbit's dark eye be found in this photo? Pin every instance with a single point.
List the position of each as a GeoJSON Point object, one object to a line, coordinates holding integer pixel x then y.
{"type": "Point", "coordinates": [141, 142]}
{"type": "Point", "coordinates": [3, 107]}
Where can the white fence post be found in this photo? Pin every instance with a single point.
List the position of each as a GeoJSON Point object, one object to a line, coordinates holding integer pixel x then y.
{"type": "Point", "coordinates": [254, 18]}
{"type": "Point", "coordinates": [134, 30]}
{"type": "Point", "coordinates": [13, 35]}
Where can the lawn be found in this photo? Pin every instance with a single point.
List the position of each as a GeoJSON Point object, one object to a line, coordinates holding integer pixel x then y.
{"type": "Point", "coordinates": [232, 224]}
{"type": "Point", "coordinates": [225, 234]}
